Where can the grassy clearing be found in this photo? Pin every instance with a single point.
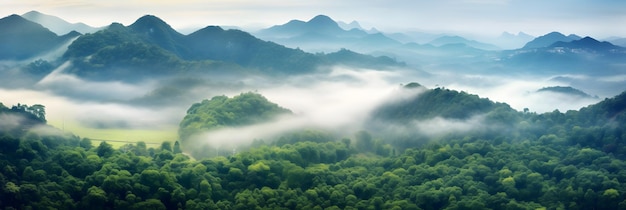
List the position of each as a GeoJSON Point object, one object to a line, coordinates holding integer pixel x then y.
{"type": "Point", "coordinates": [119, 137]}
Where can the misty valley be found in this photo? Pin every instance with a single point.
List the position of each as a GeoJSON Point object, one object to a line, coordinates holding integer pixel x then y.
{"type": "Point", "coordinates": [315, 114]}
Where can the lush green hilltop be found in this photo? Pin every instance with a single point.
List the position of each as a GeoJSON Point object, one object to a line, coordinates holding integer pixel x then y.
{"type": "Point", "coordinates": [572, 160]}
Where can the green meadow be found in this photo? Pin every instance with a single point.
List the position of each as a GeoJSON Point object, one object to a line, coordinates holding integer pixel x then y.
{"type": "Point", "coordinates": [119, 137]}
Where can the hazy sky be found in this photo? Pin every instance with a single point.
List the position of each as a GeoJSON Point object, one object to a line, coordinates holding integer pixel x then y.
{"type": "Point", "coordinates": [598, 18]}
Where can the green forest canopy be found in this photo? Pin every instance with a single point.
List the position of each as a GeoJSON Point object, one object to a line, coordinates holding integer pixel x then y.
{"type": "Point", "coordinates": [572, 160]}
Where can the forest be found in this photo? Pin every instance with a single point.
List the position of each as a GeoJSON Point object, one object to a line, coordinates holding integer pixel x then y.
{"type": "Point", "coordinates": [524, 160]}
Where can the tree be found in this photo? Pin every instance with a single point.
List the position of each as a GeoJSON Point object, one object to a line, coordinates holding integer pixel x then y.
{"type": "Point", "coordinates": [104, 149]}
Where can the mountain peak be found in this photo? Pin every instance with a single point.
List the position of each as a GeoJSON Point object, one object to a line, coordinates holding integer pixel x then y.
{"type": "Point", "coordinates": [323, 22]}
{"type": "Point", "coordinates": [158, 32]}
{"type": "Point", "coordinates": [549, 39]}
{"type": "Point", "coordinates": [149, 20]}
{"type": "Point", "coordinates": [12, 18]}
{"type": "Point", "coordinates": [16, 23]}
{"type": "Point", "coordinates": [33, 13]}
{"type": "Point", "coordinates": [587, 43]}
{"type": "Point", "coordinates": [150, 24]}
{"type": "Point", "coordinates": [321, 19]}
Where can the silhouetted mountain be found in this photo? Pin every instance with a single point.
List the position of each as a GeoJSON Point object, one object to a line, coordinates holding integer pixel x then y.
{"type": "Point", "coordinates": [445, 40]}
{"type": "Point", "coordinates": [549, 39]}
{"type": "Point", "coordinates": [566, 90]}
{"type": "Point", "coordinates": [21, 38]}
{"type": "Point", "coordinates": [58, 25]}
{"type": "Point", "coordinates": [588, 43]}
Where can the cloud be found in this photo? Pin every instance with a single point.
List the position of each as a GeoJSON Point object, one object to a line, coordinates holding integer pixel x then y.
{"type": "Point", "coordinates": [70, 85]}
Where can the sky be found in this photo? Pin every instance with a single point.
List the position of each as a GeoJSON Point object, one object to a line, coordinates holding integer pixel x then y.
{"type": "Point", "coordinates": [598, 18]}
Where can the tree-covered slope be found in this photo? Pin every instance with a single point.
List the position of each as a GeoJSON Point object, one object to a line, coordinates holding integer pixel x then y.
{"type": "Point", "coordinates": [415, 102]}
{"type": "Point", "coordinates": [119, 53]}
{"type": "Point", "coordinates": [151, 46]}
{"type": "Point", "coordinates": [222, 111]}
{"type": "Point", "coordinates": [540, 166]}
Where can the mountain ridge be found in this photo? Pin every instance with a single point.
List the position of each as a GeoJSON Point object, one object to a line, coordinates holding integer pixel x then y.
{"type": "Point", "coordinates": [56, 24]}
{"type": "Point", "coordinates": [21, 38]}
{"type": "Point", "coordinates": [549, 39]}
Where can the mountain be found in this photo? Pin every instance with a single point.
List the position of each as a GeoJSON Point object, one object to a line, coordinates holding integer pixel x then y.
{"type": "Point", "coordinates": [349, 26]}
{"type": "Point", "coordinates": [549, 39]}
{"type": "Point", "coordinates": [22, 39]}
{"type": "Point", "coordinates": [445, 40]}
{"type": "Point", "coordinates": [150, 45]}
{"type": "Point", "coordinates": [319, 24]}
{"type": "Point", "coordinates": [58, 25]}
{"type": "Point", "coordinates": [619, 41]}
{"type": "Point", "coordinates": [421, 103]}
{"type": "Point", "coordinates": [322, 33]}
{"type": "Point", "coordinates": [508, 40]}
{"type": "Point", "coordinates": [156, 31]}
{"type": "Point", "coordinates": [581, 56]}
{"type": "Point", "coordinates": [565, 90]}
{"type": "Point", "coordinates": [588, 43]}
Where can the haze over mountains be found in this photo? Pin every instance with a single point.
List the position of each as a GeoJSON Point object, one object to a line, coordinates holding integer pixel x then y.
{"type": "Point", "coordinates": [308, 114]}
{"type": "Point", "coordinates": [58, 25]}
{"type": "Point", "coordinates": [150, 48]}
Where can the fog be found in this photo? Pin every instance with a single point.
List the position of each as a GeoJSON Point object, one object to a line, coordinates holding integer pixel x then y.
{"type": "Point", "coordinates": [338, 99]}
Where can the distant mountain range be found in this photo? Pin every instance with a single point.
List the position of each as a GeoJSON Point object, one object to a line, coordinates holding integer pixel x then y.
{"type": "Point", "coordinates": [150, 45]}
{"type": "Point", "coordinates": [508, 40]}
{"type": "Point", "coordinates": [445, 40]}
{"type": "Point", "coordinates": [583, 55]}
{"type": "Point", "coordinates": [322, 33]}
{"type": "Point", "coordinates": [549, 39]}
{"type": "Point", "coordinates": [21, 39]}
{"type": "Point", "coordinates": [58, 25]}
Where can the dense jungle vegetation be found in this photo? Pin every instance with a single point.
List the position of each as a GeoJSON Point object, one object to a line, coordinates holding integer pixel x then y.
{"type": "Point", "coordinates": [555, 160]}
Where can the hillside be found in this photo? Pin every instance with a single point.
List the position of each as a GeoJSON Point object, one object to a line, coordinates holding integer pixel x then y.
{"type": "Point", "coordinates": [151, 45]}
{"type": "Point", "coordinates": [21, 39]}
{"type": "Point", "coordinates": [572, 160]}
{"type": "Point", "coordinates": [430, 103]}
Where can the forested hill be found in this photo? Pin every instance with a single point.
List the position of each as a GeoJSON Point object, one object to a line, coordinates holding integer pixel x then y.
{"type": "Point", "coordinates": [224, 112]}
{"type": "Point", "coordinates": [572, 160]}
{"type": "Point", "coordinates": [415, 102]}
{"type": "Point", "coordinates": [150, 45]}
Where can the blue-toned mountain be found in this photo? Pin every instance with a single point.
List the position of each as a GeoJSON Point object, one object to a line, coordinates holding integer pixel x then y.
{"type": "Point", "coordinates": [21, 39]}
{"type": "Point", "coordinates": [58, 25]}
{"type": "Point", "coordinates": [151, 45]}
{"type": "Point", "coordinates": [549, 39]}
{"type": "Point", "coordinates": [322, 33]}
{"type": "Point", "coordinates": [446, 40]}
